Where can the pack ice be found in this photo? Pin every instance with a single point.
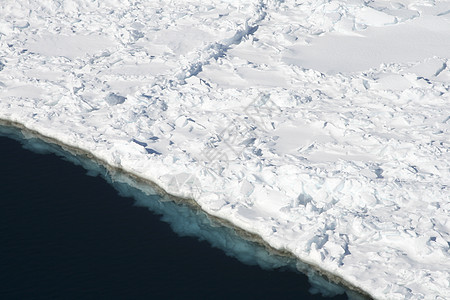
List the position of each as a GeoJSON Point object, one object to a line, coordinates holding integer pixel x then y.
{"type": "Point", "coordinates": [321, 126]}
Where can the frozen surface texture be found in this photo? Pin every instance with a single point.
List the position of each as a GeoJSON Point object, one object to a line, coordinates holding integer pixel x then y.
{"type": "Point", "coordinates": [322, 126]}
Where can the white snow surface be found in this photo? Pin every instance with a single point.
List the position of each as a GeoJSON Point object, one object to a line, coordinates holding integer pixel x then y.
{"type": "Point", "coordinates": [321, 126]}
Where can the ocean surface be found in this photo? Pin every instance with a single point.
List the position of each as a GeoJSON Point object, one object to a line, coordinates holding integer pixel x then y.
{"type": "Point", "coordinates": [66, 235]}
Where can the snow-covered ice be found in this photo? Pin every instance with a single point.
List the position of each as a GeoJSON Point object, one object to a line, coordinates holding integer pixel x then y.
{"type": "Point", "coordinates": [321, 126]}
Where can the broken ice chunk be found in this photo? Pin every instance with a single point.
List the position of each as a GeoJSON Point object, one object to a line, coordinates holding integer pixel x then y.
{"type": "Point", "coordinates": [114, 99]}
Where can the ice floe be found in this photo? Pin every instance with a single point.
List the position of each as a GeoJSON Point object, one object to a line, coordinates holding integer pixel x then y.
{"type": "Point", "coordinates": [320, 126]}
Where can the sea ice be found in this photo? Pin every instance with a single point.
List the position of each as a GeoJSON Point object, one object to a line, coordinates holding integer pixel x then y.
{"type": "Point", "coordinates": [320, 126]}
{"type": "Point", "coordinates": [183, 219]}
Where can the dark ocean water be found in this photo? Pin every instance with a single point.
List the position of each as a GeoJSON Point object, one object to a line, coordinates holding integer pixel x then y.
{"type": "Point", "coordinates": [66, 235]}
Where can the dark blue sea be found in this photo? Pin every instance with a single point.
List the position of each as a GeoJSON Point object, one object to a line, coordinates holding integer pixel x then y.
{"type": "Point", "coordinates": [66, 235]}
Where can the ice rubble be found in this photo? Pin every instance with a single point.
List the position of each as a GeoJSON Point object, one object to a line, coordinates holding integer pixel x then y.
{"type": "Point", "coordinates": [321, 126]}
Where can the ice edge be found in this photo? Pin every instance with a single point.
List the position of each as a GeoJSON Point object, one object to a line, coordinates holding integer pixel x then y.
{"type": "Point", "coordinates": [246, 235]}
